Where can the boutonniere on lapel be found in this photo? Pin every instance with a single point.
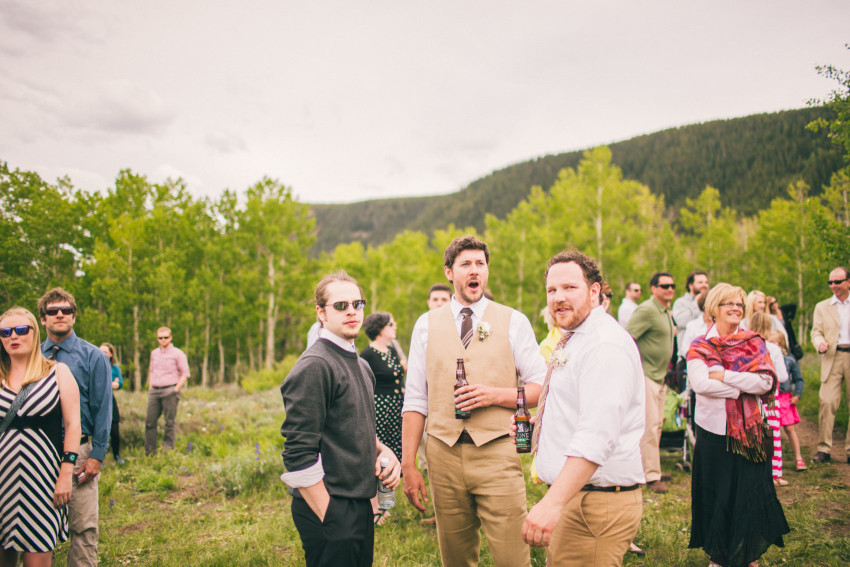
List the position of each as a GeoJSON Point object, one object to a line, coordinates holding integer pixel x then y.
{"type": "Point", "coordinates": [559, 358]}
{"type": "Point", "coordinates": [484, 330]}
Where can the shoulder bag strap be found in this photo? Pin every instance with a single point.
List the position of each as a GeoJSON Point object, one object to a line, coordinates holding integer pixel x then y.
{"type": "Point", "coordinates": [13, 409]}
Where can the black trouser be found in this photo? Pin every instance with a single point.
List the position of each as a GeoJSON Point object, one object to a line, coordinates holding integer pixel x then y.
{"type": "Point", "coordinates": [114, 437]}
{"type": "Point", "coordinates": [345, 539]}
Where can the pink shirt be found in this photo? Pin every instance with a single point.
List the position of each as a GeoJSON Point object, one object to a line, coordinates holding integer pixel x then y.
{"type": "Point", "coordinates": [167, 366]}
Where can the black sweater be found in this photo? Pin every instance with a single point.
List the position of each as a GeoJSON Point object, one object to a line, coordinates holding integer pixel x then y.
{"type": "Point", "coordinates": [330, 409]}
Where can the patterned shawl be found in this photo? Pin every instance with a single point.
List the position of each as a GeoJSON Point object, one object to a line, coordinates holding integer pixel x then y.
{"type": "Point", "coordinates": [744, 351]}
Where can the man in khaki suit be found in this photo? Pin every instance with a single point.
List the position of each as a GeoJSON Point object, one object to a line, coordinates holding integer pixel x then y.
{"type": "Point", "coordinates": [473, 468]}
{"type": "Point", "coordinates": [831, 338]}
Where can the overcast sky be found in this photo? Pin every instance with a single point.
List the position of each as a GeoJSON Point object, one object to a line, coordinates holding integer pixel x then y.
{"type": "Point", "coordinates": [345, 101]}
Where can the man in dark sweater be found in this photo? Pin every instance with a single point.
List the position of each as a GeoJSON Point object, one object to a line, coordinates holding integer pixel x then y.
{"type": "Point", "coordinates": [332, 453]}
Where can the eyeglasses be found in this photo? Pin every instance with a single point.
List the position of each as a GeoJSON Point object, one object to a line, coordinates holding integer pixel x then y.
{"type": "Point", "coordinates": [608, 295]}
{"type": "Point", "coordinates": [667, 285]}
{"type": "Point", "coordinates": [53, 311]}
{"type": "Point", "coordinates": [358, 304]}
{"type": "Point", "coordinates": [6, 332]}
{"type": "Point", "coordinates": [391, 323]}
{"type": "Point", "coordinates": [730, 305]}
{"type": "Point", "coordinates": [163, 338]}
{"type": "Point", "coordinates": [836, 282]}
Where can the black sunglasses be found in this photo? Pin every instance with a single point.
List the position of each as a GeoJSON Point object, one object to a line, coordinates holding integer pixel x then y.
{"type": "Point", "coordinates": [6, 332]}
{"type": "Point", "coordinates": [163, 338]}
{"type": "Point", "coordinates": [52, 311]}
{"type": "Point", "coordinates": [667, 285]}
{"type": "Point", "coordinates": [836, 282]}
{"type": "Point", "coordinates": [608, 295]}
{"type": "Point", "coordinates": [358, 304]}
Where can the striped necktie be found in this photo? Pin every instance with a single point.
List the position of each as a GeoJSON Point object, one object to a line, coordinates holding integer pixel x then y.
{"type": "Point", "coordinates": [466, 326]}
{"type": "Point", "coordinates": [541, 404]}
{"type": "Point", "coordinates": [53, 350]}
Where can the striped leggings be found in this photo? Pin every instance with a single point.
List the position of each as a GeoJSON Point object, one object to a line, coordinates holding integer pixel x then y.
{"type": "Point", "coordinates": [773, 421]}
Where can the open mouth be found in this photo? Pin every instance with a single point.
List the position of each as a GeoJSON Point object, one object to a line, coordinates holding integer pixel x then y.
{"type": "Point", "coordinates": [474, 285]}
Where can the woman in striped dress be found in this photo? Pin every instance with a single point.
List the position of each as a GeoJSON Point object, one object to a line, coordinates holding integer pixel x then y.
{"type": "Point", "coordinates": [36, 462]}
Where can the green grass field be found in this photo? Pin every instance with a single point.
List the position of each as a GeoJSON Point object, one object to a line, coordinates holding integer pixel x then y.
{"type": "Point", "coordinates": [217, 499]}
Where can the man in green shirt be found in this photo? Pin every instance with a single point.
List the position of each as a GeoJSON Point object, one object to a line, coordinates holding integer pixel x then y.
{"type": "Point", "coordinates": [652, 327]}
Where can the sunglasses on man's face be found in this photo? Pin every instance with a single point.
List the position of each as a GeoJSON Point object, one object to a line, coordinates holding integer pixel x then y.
{"type": "Point", "coordinates": [667, 285]}
{"type": "Point", "coordinates": [53, 311]}
{"type": "Point", "coordinates": [358, 304]}
{"type": "Point", "coordinates": [836, 282]}
{"type": "Point", "coordinates": [6, 332]}
{"type": "Point", "coordinates": [163, 338]}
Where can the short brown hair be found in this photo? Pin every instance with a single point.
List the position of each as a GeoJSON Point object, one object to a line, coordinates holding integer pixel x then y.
{"type": "Point", "coordinates": [461, 243]}
{"type": "Point", "coordinates": [589, 267]}
{"type": "Point", "coordinates": [55, 295]}
{"type": "Point", "coordinates": [322, 288]}
{"type": "Point", "coordinates": [439, 287]}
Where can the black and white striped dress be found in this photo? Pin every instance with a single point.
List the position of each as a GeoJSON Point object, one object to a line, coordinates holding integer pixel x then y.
{"type": "Point", "coordinates": [29, 466]}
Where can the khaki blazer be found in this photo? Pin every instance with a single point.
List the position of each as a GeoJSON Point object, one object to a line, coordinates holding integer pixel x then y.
{"type": "Point", "coordinates": [825, 328]}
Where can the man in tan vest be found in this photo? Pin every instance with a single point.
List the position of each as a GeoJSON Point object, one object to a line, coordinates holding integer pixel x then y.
{"type": "Point", "coordinates": [831, 338]}
{"type": "Point", "coordinates": [474, 471]}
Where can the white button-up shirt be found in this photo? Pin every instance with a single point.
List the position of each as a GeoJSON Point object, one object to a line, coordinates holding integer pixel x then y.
{"type": "Point", "coordinates": [712, 394]}
{"type": "Point", "coordinates": [529, 362]}
{"type": "Point", "coordinates": [595, 408]}
{"type": "Point", "coordinates": [843, 308]}
{"type": "Point", "coordinates": [624, 313]}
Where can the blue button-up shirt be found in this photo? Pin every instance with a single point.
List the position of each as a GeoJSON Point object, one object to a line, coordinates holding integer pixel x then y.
{"type": "Point", "coordinates": [91, 370]}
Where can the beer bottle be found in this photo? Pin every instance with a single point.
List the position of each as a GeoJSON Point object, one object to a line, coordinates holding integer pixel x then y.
{"type": "Point", "coordinates": [460, 382]}
{"type": "Point", "coordinates": [523, 426]}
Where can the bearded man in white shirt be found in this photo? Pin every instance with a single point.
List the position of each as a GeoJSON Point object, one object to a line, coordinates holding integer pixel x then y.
{"type": "Point", "coordinates": [588, 428]}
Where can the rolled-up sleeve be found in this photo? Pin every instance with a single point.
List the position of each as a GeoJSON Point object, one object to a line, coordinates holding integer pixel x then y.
{"type": "Point", "coordinates": [605, 398]}
{"type": "Point", "coordinates": [416, 388]}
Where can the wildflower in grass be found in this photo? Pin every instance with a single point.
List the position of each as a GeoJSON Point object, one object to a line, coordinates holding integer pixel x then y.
{"type": "Point", "coordinates": [221, 428]}
{"type": "Point", "coordinates": [111, 503]}
{"type": "Point", "coordinates": [189, 447]}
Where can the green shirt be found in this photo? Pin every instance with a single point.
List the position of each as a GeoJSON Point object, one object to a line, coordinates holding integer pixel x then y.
{"type": "Point", "coordinates": [652, 328]}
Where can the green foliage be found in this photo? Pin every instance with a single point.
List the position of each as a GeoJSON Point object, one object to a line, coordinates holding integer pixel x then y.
{"type": "Point", "coordinates": [268, 378]}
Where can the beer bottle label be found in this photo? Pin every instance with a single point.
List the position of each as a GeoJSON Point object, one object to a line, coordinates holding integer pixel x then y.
{"type": "Point", "coordinates": [523, 436]}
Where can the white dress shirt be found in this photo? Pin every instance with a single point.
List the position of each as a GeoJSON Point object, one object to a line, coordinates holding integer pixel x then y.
{"type": "Point", "coordinates": [685, 310]}
{"type": "Point", "coordinates": [694, 329]}
{"type": "Point", "coordinates": [711, 394]}
{"type": "Point", "coordinates": [529, 362]}
{"type": "Point", "coordinates": [596, 405]}
{"type": "Point", "coordinates": [843, 308]}
{"type": "Point", "coordinates": [624, 313]}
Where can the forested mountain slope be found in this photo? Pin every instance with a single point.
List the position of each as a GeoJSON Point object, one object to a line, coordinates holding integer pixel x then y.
{"type": "Point", "coordinates": [750, 160]}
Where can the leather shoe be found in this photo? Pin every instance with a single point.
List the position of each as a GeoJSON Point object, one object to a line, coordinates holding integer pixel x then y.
{"type": "Point", "coordinates": [666, 476]}
{"type": "Point", "coordinates": [657, 487]}
{"type": "Point", "coordinates": [821, 457]}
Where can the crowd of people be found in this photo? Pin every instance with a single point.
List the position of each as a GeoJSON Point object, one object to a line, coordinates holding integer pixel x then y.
{"type": "Point", "coordinates": [355, 421]}
{"type": "Point", "coordinates": [599, 385]}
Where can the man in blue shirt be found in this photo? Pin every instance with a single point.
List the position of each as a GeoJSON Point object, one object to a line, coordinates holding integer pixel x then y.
{"type": "Point", "coordinates": [90, 367]}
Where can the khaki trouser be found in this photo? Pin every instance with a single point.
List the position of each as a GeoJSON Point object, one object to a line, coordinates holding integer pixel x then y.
{"type": "Point", "coordinates": [474, 487]}
{"type": "Point", "coordinates": [830, 400]}
{"type": "Point", "coordinates": [649, 443]}
{"type": "Point", "coordinates": [82, 516]}
{"type": "Point", "coordinates": [161, 400]}
{"type": "Point", "coordinates": [595, 529]}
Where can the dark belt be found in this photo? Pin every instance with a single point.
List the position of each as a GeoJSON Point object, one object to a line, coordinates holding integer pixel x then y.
{"type": "Point", "coordinates": [163, 387]}
{"type": "Point", "coordinates": [84, 439]}
{"type": "Point", "coordinates": [591, 488]}
{"type": "Point", "coordinates": [840, 348]}
{"type": "Point", "coordinates": [466, 439]}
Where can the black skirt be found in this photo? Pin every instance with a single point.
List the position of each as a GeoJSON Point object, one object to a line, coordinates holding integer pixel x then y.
{"type": "Point", "coordinates": [735, 514]}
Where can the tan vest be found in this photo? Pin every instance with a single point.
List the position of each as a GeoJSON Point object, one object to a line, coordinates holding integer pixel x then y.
{"type": "Point", "coordinates": [489, 362]}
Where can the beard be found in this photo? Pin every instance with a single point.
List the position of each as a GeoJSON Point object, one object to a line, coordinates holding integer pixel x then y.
{"type": "Point", "coordinates": [350, 335]}
{"type": "Point", "coordinates": [570, 320]}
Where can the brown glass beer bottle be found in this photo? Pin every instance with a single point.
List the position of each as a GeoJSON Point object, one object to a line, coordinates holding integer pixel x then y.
{"type": "Point", "coordinates": [523, 426]}
{"type": "Point", "coordinates": [460, 382]}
